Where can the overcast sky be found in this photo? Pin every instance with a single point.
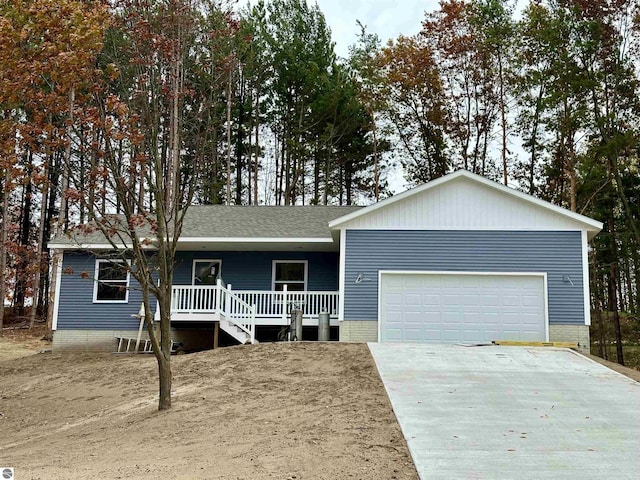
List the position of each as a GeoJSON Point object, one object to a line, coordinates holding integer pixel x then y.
{"type": "Point", "coordinates": [387, 18]}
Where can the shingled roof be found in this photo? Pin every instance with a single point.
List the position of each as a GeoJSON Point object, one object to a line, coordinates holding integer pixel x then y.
{"type": "Point", "coordinates": [221, 222]}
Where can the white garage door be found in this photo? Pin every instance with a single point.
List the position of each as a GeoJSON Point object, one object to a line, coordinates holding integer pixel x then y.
{"type": "Point", "coordinates": [459, 308]}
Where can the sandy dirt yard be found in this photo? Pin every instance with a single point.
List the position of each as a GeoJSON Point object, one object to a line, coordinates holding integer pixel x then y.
{"type": "Point", "coordinates": [269, 411]}
{"type": "Point", "coordinates": [20, 342]}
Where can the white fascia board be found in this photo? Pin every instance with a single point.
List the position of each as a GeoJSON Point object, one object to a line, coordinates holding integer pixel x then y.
{"type": "Point", "coordinates": [187, 240]}
{"type": "Point", "coordinates": [465, 272]}
{"type": "Point", "coordinates": [94, 246]}
{"type": "Point", "coordinates": [253, 240]}
{"type": "Point", "coordinates": [585, 279]}
{"type": "Point", "coordinates": [56, 295]}
{"type": "Point", "coordinates": [473, 229]}
{"type": "Point", "coordinates": [84, 246]}
{"type": "Point", "coordinates": [342, 263]}
{"type": "Point", "coordinates": [593, 224]}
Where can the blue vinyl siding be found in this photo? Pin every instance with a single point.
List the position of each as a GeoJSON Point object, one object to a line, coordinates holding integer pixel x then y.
{"type": "Point", "coordinates": [253, 270]}
{"type": "Point", "coordinates": [77, 310]}
{"type": "Point", "coordinates": [244, 270]}
{"type": "Point", "coordinates": [559, 254]}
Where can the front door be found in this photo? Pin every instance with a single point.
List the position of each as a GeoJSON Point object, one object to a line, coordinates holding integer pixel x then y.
{"type": "Point", "coordinates": [206, 272]}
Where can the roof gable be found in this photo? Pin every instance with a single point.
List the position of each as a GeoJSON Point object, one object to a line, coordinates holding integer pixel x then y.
{"type": "Point", "coordinates": [465, 201]}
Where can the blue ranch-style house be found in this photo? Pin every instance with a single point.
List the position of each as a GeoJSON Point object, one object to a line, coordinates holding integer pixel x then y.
{"type": "Point", "coordinates": [461, 259]}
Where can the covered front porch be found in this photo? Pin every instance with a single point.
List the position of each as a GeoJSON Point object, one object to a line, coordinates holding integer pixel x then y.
{"type": "Point", "coordinates": [244, 290]}
{"type": "Point", "coordinates": [207, 302]}
{"type": "Point", "coordinates": [239, 312]}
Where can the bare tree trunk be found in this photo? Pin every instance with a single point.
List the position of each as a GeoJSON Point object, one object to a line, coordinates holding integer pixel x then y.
{"type": "Point", "coordinates": [534, 142]}
{"type": "Point", "coordinates": [636, 274]}
{"type": "Point", "coordinates": [56, 262]}
{"type": "Point", "coordinates": [256, 164]}
{"type": "Point", "coordinates": [573, 180]}
{"type": "Point", "coordinates": [22, 275]}
{"type": "Point", "coordinates": [616, 314]}
{"type": "Point", "coordinates": [228, 199]}
{"type": "Point", "coordinates": [239, 140]}
{"type": "Point", "coordinates": [613, 292]}
{"type": "Point", "coordinates": [40, 248]}
{"type": "Point", "coordinates": [173, 173]}
{"type": "Point", "coordinates": [3, 241]}
{"type": "Point", "coordinates": [503, 120]}
{"type": "Point", "coordinates": [376, 167]}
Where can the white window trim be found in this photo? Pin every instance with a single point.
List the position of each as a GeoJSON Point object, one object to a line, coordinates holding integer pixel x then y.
{"type": "Point", "coordinates": [273, 273]}
{"type": "Point", "coordinates": [95, 281]}
{"type": "Point", "coordinates": [196, 260]}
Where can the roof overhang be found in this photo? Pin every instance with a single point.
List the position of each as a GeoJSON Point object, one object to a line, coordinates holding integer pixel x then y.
{"type": "Point", "coordinates": [259, 244]}
{"type": "Point", "coordinates": [221, 244]}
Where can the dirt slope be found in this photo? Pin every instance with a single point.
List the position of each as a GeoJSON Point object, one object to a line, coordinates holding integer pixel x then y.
{"type": "Point", "coordinates": [281, 411]}
{"type": "Point", "coordinates": [20, 342]}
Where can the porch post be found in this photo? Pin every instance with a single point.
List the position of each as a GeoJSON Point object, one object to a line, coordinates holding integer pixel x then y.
{"type": "Point", "coordinates": [284, 303]}
{"type": "Point", "coordinates": [253, 324]}
{"type": "Point", "coordinates": [218, 294]}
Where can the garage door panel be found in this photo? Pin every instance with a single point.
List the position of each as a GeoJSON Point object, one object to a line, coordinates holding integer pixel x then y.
{"type": "Point", "coordinates": [394, 299]}
{"type": "Point", "coordinates": [530, 301]}
{"type": "Point", "coordinates": [431, 299]}
{"type": "Point", "coordinates": [394, 335]}
{"type": "Point", "coordinates": [489, 300]}
{"type": "Point", "coordinates": [414, 317]}
{"type": "Point", "coordinates": [452, 298]}
{"type": "Point", "coordinates": [451, 335]}
{"type": "Point", "coordinates": [472, 318]}
{"type": "Point", "coordinates": [510, 300]}
{"type": "Point", "coordinates": [461, 308]}
{"type": "Point", "coordinates": [413, 298]}
{"type": "Point", "coordinates": [413, 335]}
{"type": "Point", "coordinates": [471, 299]}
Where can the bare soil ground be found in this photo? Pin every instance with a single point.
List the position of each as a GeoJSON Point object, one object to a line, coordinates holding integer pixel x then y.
{"type": "Point", "coordinates": [626, 371]}
{"type": "Point", "coordinates": [270, 411]}
{"type": "Point", "coordinates": [19, 342]}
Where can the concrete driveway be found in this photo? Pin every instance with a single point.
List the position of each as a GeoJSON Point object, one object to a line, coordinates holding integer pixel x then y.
{"type": "Point", "coordinates": [511, 412]}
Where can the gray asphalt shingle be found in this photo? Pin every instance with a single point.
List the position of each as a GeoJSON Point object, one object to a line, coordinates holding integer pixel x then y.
{"type": "Point", "coordinates": [223, 221]}
{"type": "Point", "coordinates": [262, 221]}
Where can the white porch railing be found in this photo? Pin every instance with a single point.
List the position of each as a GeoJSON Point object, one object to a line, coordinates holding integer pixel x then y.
{"type": "Point", "coordinates": [272, 304]}
{"type": "Point", "coordinates": [237, 311]}
{"type": "Point", "coordinates": [209, 299]}
{"type": "Point", "coordinates": [194, 299]}
{"type": "Point", "coordinates": [218, 300]}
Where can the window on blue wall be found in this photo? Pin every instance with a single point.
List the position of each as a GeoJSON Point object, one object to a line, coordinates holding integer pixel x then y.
{"type": "Point", "coordinates": [206, 272]}
{"type": "Point", "coordinates": [292, 273]}
{"type": "Point", "coordinates": [111, 283]}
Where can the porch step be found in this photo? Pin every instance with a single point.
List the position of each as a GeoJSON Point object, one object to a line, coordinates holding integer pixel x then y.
{"type": "Point", "coordinates": [235, 331]}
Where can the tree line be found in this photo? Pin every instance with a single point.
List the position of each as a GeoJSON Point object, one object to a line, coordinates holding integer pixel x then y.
{"type": "Point", "coordinates": [251, 105]}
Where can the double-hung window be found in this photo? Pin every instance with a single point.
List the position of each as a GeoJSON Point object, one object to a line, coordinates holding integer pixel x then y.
{"type": "Point", "coordinates": [292, 273]}
{"type": "Point", "coordinates": [111, 281]}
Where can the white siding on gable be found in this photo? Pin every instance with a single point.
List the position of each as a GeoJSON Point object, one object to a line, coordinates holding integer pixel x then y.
{"type": "Point", "coordinates": [462, 204]}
